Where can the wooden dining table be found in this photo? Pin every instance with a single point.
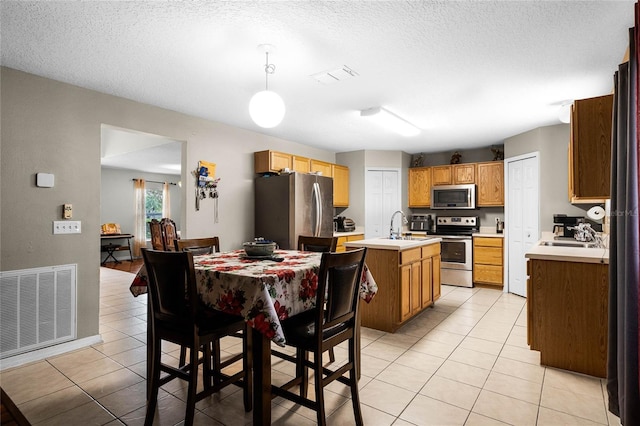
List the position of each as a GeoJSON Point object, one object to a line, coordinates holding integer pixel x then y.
{"type": "Point", "coordinates": [263, 291]}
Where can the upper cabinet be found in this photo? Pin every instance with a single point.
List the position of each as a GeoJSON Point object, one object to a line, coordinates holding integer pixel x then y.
{"type": "Point", "coordinates": [420, 187]}
{"type": "Point", "coordinates": [340, 185]}
{"type": "Point", "coordinates": [453, 174]}
{"type": "Point", "coordinates": [274, 162]}
{"type": "Point", "coordinates": [322, 167]}
{"type": "Point", "coordinates": [490, 184]}
{"type": "Point", "coordinates": [271, 161]}
{"type": "Point", "coordinates": [590, 150]}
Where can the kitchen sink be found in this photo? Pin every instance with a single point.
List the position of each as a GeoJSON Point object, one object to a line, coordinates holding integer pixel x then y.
{"type": "Point", "coordinates": [577, 244]}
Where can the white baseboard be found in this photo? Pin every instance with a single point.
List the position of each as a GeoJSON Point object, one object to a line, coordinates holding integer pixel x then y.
{"type": "Point", "coordinates": [43, 353]}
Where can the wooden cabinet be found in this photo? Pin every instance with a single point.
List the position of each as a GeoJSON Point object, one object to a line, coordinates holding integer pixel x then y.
{"type": "Point", "coordinates": [322, 167]}
{"type": "Point", "coordinates": [441, 175]}
{"type": "Point", "coordinates": [490, 182]}
{"type": "Point", "coordinates": [464, 174]}
{"type": "Point", "coordinates": [567, 311]}
{"type": "Point", "coordinates": [340, 185]}
{"type": "Point", "coordinates": [344, 238]}
{"type": "Point", "coordinates": [408, 282]}
{"type": "Point", "coordinates": [590, 150]}
{"type": "Point", "coordinates": [271, 161]}
{"type": "Point", "coordinates": [301, 164]}
{"type": "Point", "coordinates": [420, 187]}
{"type": "Point", "coordinates": [488, 262]}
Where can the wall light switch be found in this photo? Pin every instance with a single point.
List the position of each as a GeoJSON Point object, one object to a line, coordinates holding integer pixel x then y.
{"type": "Point", "coordinates": [67, 211]}
{"type": "Point", "coordinates": [67, 227]}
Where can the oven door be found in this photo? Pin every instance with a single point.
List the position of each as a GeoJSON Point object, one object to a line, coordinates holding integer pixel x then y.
{"type": "Point", "coordinates": [456, 253]}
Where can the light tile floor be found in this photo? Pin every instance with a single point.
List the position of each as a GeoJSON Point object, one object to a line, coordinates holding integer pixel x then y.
{"type": "Point", "coordinates": [464, 362]}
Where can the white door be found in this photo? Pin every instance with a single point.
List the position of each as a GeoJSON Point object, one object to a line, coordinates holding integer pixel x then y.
{"type": "Point", "coordinates": [382, 198]}
{"type": "Point", "coordinates": [521, 218]}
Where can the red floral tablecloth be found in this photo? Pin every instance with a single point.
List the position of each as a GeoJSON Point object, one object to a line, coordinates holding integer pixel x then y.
{"type": "Point", "coordinates": [262, 291]}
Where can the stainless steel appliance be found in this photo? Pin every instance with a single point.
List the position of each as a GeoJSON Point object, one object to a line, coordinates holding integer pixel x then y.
{"type": "Point", "coordinates": [293, 204]}
{"type": "Point", "coordinates": [564, 226]}
{"type": "Point", "coordinates": [421, 222]}
{"type": "Point", "coordinates": [452, 197]}
{"type": "Point", "coordinates": [456, 249]}
{"type": "Point", "coordinates": [344, 224]}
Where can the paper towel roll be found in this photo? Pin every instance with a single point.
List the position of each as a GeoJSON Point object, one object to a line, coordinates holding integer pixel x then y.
{"type": "Point", "coordinates": [595, 213]}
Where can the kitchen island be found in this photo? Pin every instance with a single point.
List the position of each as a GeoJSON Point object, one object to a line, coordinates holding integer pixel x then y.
{"type": "Point", "coordinates": [567, 306]}
{"type": "Point", "coordinates": [408, 276]}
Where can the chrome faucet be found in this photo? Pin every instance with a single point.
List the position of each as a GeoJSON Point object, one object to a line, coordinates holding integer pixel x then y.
{"type": "Point", "coordinates": [396, 235]}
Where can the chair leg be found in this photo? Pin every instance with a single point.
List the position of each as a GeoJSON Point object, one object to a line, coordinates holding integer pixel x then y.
{"type": "Point", "coordinates": [215, 357]}
{"type": "Point", "coordinates": [317, 361]}
{"type": "Point", "coordinates": [302, 371]}
{"type": "Point", "coordinates": [247, 366]}
{"type": "Point", "coordinates": [332, 355]}
{"type": "Point", "coordinates": [206, 366]}
{"type": "Point", "coordinates": [194, 353]}
{"type": "Point", "coordinates": [183, 356]}
{"type": "Point", "coordinates": [353, 379]}
{"type": "Point", "coordinates": [152, 401]}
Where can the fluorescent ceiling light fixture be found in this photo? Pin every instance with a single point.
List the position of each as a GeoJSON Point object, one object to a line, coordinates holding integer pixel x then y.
{"type": "Point", "coordinates": [390, 121]}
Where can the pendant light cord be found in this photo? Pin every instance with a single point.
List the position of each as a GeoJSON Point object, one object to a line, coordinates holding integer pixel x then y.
{"type": "Point", "coordinates": [268, 69]}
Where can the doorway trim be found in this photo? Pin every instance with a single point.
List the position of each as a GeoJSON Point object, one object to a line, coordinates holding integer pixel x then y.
{"type": "Point", "coordinates": [536, 155]}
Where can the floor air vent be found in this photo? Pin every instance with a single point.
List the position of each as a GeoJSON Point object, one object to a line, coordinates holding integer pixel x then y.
{"type": "Point", "coordinates": [37, 308]}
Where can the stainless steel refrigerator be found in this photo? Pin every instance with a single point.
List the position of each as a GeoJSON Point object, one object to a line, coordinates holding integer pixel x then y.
{"type": "Point", "coordinates": [294, 204]}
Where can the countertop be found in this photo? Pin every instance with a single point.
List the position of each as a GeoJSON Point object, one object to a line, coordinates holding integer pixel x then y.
{"type": "Point", "coordinates": [347, 234]}
{"type": "Point", "coordinates": [568, 254]}
{"type": "Point", "coordinates": [387, 244]}
{"type": "Point", "coordinates": [487, 234]}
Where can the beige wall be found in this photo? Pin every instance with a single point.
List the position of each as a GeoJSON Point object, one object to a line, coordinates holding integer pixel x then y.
{"type": "Point", "coordinates": [49, 126]}
{"type": "Point", "coordinates": [552, 144]}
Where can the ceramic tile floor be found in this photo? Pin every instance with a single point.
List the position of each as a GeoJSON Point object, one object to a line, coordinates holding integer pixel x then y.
{"type": "Point", "coordinates": [464, 362]}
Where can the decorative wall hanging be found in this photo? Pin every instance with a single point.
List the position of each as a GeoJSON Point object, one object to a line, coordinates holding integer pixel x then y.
{"type": "Point", "coordinates": [207, 184]}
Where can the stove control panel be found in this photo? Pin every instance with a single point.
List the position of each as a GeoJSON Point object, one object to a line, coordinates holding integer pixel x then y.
{"type": "Point", "coordinates": [469, 221]}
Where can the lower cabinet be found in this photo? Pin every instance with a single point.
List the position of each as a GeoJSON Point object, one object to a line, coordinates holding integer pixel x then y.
{"type": "Point", "coordinates": [408, 282]}
{"type": "Point", "coordinates": [343, 239]}
{"type": "Point", "coordinates": [488, 260]}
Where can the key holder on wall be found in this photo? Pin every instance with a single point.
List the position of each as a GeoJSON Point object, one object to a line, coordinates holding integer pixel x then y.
{"type": "Point", "coordinates": [207, 185]}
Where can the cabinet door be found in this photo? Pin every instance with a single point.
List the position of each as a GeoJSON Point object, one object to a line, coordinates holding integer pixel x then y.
{"type": "Point", "coordinates": [271, 161]}
{"type": "Point", "coordinates": [340, 186]}
{"type": "Point", "coordinates": [590, 149]}
{"type": "Point", "coordinates": [441, 175]}
{"type": "Point", "coordinates": [427, 278]}
{"type": "Point", "coordinates": [405, 292]}
{"type": "Point", "coordinates": [491, 184]}
{"type": "Point", "coordinates": [464, 173]}
{"type": "Point", "coordinates": [420, 187]}
{"type": "Point", "coordinates": [301, 164]}
{"type": "Point", "coordinates": [321, 166]}
{"type": "Point", "coordinates": [416, 288]}
{"type": "Point", "coordinates": [435, 264]}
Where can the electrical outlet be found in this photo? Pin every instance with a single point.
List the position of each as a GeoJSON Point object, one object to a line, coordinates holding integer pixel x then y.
{"type": "Point", "coordinates": [67, 227]}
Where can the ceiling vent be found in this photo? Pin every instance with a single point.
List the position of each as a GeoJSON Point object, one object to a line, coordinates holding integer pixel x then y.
{"type": "Point", "coordinates": [335, 75]}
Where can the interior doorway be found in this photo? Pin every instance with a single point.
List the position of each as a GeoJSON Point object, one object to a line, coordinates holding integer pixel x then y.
{"type": "Point", "coordinates": [522, 218]}
{"type": "Point", "coordinates": [382, 198]}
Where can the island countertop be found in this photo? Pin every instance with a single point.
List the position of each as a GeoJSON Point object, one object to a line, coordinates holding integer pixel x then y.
{"type": "Point", "coordinates": [567, 254]}
{"type": "Point", "coordinates": [389, 244]}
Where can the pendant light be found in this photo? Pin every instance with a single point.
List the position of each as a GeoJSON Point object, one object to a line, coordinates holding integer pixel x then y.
{"type": "Point", "coordinates": [266, 107]}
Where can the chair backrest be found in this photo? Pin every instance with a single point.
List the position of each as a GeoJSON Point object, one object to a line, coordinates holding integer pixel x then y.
{"type": "Point", "coordinates": [171, 285]}
{"type": "Point", "coordinates": [317, 244]}
{"type": "Point", "coordinates": [157, 240]}
{"type": "Point", "coordinates": [198, 246]}
{"type": "Point", "coordinates": [169, 233]}
{"type": "Point", "coordinates": [338, 288]}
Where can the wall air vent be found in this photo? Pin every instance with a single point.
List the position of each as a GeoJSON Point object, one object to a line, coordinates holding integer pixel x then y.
{"type": "Point", "coordinates": [334, 75]}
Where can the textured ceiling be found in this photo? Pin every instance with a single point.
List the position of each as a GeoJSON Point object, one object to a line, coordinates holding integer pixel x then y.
{"type": "Point", "coordinates": [469, 74]}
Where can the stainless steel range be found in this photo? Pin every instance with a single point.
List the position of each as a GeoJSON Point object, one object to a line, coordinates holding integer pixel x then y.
{"type": "Point", "coordinates": [457, 248]}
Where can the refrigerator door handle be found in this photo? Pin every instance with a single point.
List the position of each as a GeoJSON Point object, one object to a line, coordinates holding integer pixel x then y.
{"type": "Point", "coordinates": [317, 196]}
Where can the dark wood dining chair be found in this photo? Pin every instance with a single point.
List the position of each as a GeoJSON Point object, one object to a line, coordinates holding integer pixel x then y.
{"type": "Point", "coordinates": [178, 316]}
{"type": "Point", "coordinates": [317, 244]}
{"type": "Point", "coordinates": [157, 240]}
{"type": "Point", "coordinates": [331, 322]}
{"type": "Point", "coordinates": [198, 246]}
{"type": "Point", "coordinates": [169, 233]}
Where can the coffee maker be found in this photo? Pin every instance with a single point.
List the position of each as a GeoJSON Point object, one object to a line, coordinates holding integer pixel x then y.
{"type": "Point", "coordinates": [564, 226]}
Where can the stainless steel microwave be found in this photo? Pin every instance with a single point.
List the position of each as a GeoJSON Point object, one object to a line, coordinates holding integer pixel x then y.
{"type": "Point", "coordinates": [452, 197]}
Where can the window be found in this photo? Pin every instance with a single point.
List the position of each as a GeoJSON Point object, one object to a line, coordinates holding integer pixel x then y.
{"type": "Point", "coordinates": [153, 204]}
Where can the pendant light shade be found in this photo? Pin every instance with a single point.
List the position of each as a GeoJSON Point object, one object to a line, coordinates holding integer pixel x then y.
{"type": "Point", "coordinates": [266, 109]}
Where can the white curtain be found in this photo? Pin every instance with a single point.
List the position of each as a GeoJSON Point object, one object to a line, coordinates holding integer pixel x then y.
{"type": "Point", "coordinates": [166, 202]}
{"type": "Point", "coordinates": [140, 234]}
